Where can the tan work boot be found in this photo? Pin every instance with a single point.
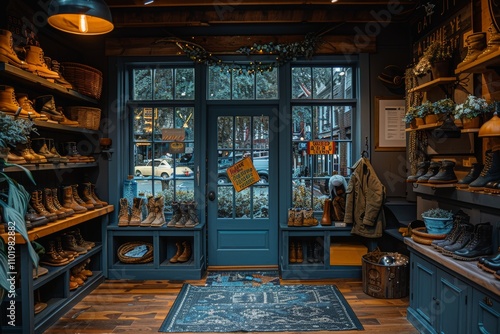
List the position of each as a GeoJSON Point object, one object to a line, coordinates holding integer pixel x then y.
{"type": "Point", "coordinates": [123, 214]}
{"type": "Point", "coordinates": [69, 202]}
{"type": "Point", "coordinates": [151, 212]}
{"type": "Point", "coordinates": [87, 197]}
{"type": "Point", "coordinates": [136, 212]}
{"type": "Point", "coordinates": [27, 105]}
{"type": "Point", "coordinates": [186, 254]}
{"type": "Point", "coordinates": [35, 57]}
{"type": "Point", "coordinates": [8, 102]}
{"type": "Point", "coordinates": [475, 44]}
{"type": "Point", "coordinates": [7, 53]}
{"type": "Point", "coordinates": [48, 202]}
{"type": "Point", "coordinates": [79, 200]}
{"type": "Point", "coordinates": [58, 205]}
{"type": "Point", "coordinates": [160, 215]}
{"type": "Point", "coordinates": [36, 203]}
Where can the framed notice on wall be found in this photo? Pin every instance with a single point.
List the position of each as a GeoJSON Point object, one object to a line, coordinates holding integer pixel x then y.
{"type": "Point", "coordinates": [390, 132]}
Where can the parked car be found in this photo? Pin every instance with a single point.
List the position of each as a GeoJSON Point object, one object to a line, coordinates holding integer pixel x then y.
{"type": "Point", "coordinates": [261, 165]}
{"type": "Point", "coordinates": [162, 168]}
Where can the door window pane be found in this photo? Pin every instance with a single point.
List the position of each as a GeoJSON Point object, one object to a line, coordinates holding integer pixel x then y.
{"type": "Point", "coordinates": [267, 84]}
{"type": "Point", "coordinates": [164, 88]}
{"type": "Point", "coordinates": [142, 84]}
{"type": "Point", "coordinates": [184, 84]}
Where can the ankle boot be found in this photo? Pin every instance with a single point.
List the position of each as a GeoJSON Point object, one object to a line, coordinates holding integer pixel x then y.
{"type": "Point", "coordinates": [48, 203]}
{"type": "Point", "coordinates": [25, 153]}
{"type": "Point", "coordinates": [56, 67]}
{"type": "Point", "coordinates": [300, 253]}
{"type": "Point", "coordinates": [310, 252]}
{"type": "Point", "coordinates": [422, 169]}
{"type": "Point", "coordinates": [309, 219]}
{"type": "Point", "coordinates": [36, 203]}
{"type": "Point", "coordinates": [318, 252]}
{"type": "Point", "coordinates": [490, 172]}
{"type": "Point", "coordinates": [136, 212]}
{"type": "Point", "coordinates": [473, 174]}
{"type": "Point", "coordinates": [7, 53]}
{"type": "Point", "coordinates": [52, 257]}
{"type": "Point", "coordinates": [186, 254]}
{"type": "Point", "coordinates": [34, 218]}
{"type": "Point", "coordinates": [151, 212]}
{"type": "Point", "coordinates": [25, 103]}
{"type": "Point", "coordinates": [465, 236]}
{"type": "Point", "coordinates": [298, 218]}
{"type": "Point", "coordinates": [35, 57]}
{"type": "Point", "coordinates": [69, 243]}
{"type": "Point", "coordinates": [180, 250]}
{"type": "Point", "coordinates": [480, 244]}
{"type": "Point", "coordinates": [184, 216]}
{"type": "Point", "coordinates": [52, 149]}
{"type": "Point", "coordinates": [79, 200]}
{"type": "Point", "coordinates": [123, 214]}
{"type": "Point", "coordinates": [160, 215]}
{"type": "Point", "coordinates": [193, 217]}
{"type": "Point", "coordinates": [46, 105]}
{"type": "Point", "coordinates": [16, 159]}
{"type": "Point", "coordinates": [68, 254]}
{"type": "Point", "coordinates": [87, 197]}
{"type": "Point", "coordinates": [58, 205]}
{"type": "Point", "coordinates": [66, 121]}
{"type": "Point", "coordinates": [42, 150]}
{"type": "Point", "coordinates": [446, 173]}
{"type": "Point", "coordinates": [475, 45]}
{"type": "Point", "coordinates": [291, 216]}
{"type": "Point", "coordinates": [292, 256]}
{"type": "Point", "coordinates": [434, 167]}
{"type": "Point", "coordinates": [493, 43]}
{"type": "Point", "coordinates": [8, 102]}
{"type": "Point", "coordinates": [326, 220]}
{"type": "Point", "coordinates": [95, 197]}
{"type": "Point", "coordinates": [459, 218]}
{"type": "Point", "coordinates": [80, 241]}
{"type": "Point", "coordinates": [177, 214]}
{"type": "Point", "coordinates": [37, 156]}
{"type": "Point", "coordinates": [70, 203]}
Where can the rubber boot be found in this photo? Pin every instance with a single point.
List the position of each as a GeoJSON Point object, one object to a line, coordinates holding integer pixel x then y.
{"type": "Point", "coordinates": [177, 214]}
{"type": "Point", "coordinates": [35, 57]}
{"type": "Point", "coordinates": [79, 200]}
{"type": "Point", "coordinates": [123, 214]}
{"type": "Point", "coordinates": [434, 167]}
{"type": "Point", "coordinates": [180, 250]}
{"type": "Point", "coordinates": [87, 197]}
{"type": "Point", "coordinates": [490, 172]}
{"type": "Point", "coordinates": [7, 53]}
{"type": "Point", "coordinates": [136, 212]}
{"type": "Point", "coordinates": [184, 216]}
{"type": "Point", "coordinates": [151, 212]}
{"type": "Point", "coordinates": [36, 203]}
{"type": "Point", "coordinates": [473, 174]}
{"type": "Point", "coordinates": [48, 203]}
{"type": "Point", "coordinates": [193, 217]}
{"type": "Point", "coordinates": [69, 202]}
{"type": "Point", "coordinates": [58, 205]}
{"type": "Point", "coordinates": [160, 215]}
{"type": "Point", "coordinates": [8, 102]}
{"type": "Point", "coordinates": [27, 105]}
{"type": "Point", "coordinates": [422, 168]}
{"type": "Point", "coordinates": [446, 173]}
{"type": "Point", "coordinates": [186, 253]}
{"type": "Point", "coordinates": [475, 45]}
{"type": "Point", "coordinates": [480, 244]}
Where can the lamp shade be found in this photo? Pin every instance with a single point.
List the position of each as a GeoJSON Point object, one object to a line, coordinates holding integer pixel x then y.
{"type": "Point", "coordinates": [83, 17]}
{"type": "Point", "coordinates": [491, 128]}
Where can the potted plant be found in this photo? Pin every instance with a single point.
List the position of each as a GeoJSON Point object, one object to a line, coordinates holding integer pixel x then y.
{"type": "Point", "coordinates": [14, 199]}
{"type": "Point", "coordinates": [438, 221]}
{"type": "Point", "coordinates": [472, 110]}
{"type": "Point", "coordinates": [443, 107]}
{"type": "Point", "coordinates": [411, 118]}
{"type": "Point", "coordinates": [436, 59]}
{"type": "Point", "coordinates": [426, 111]}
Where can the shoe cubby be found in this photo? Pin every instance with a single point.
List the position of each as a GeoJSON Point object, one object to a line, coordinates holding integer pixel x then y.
{"type": "Point", "coordinates": [164, 240]}
{"type": "Point", "coordinates": [171, 247]}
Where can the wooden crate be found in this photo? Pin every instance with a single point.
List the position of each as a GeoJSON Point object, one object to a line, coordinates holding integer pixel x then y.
{"type": "Point", "coordinates": [347, 253]}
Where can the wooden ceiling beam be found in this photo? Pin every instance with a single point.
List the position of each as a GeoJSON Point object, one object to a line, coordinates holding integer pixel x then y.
{"type": "Point", "coordinates": [228, 45]}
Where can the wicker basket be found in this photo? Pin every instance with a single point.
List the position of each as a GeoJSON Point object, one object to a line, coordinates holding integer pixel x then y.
{"type": "Point", "coordinates": [89, 118]}
{"type": "Point", "coordinates": [128, 246]}
{"type": "Point", "coordinates": [85, 79]}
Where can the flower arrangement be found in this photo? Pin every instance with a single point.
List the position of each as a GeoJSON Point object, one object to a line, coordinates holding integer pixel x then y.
{"type": "Point", "coordinates": [436, 51]}
{"type": "Point", "coordinates": [410, 115]}
{"type": "Point", "coordinates": [425, 109]}
{"type": "Point", "coordinates": [437, 213]}
{"type": "Point", "coordinates": [472, 107]}
{"type": "Point", "coordinates": [444, 106]}
{"type": "Point", "coordinates": [14, 130]}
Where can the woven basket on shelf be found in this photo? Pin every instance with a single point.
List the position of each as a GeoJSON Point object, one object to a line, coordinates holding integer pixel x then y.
{"type": "Point", "coordinates": [89, 118]}
{"type": "Point", "coordinates": [128, 246]}
{"type": "Point", "coordinates": [85, 79]}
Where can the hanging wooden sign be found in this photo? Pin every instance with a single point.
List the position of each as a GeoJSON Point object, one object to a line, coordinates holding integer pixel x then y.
{"type": "Point", "coordinates": [320, 147]}
{"type": "Point", "coordinates": [243, 174]}
{"type": "Point", "coordinates": [173, 134]}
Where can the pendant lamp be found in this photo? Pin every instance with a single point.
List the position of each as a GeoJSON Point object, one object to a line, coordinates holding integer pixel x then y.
{"type": "Point", "coordinates": [82, 17]}
{"type": "Point", "coordinates": [491, 128]}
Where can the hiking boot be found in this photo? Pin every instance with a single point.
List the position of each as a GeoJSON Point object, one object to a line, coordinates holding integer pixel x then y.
{"type": "Point", "coordinates": [46, 105]}
{"type": "Point", "coordinates": [475, 45]}
{"type": "Point", "coordinates": [79, 200]}
{"type": "Point", "coordinates": [458, 219]}
{"type": "Point", "coordinates": [493, 43]}
{"type": "Point", "coordinates": [58, 205]}
{"type": "Point", "coordinates": [433, 169]}
{"type": "Point", "coordinates": [56, 67]}
{"type": "Point", "coordinates": [69, 243]}
{"type": "Point", "coordinates": [48, 203]}
{"type": "Point", "coordinates": [36, 203]}
{"type": "Point", "coordinates": [479, 245]}
{"type": "Point", "coordinates": [7, 53]}
{"type": "Point", "coordinates": [177, 214]}
{"type": "Point", "coordinates": [123, 214]}
{"type": "Point", "coordinates": [136, 212]}
{"type": "Point", "coordinates": [27, 105]}
{"type": "Point", "coordinates": [35, 218]}
{"type": "Point", "coordinates": [95, 197]}
{"type": "Point", "coordinates": [422, 168]}
{"type": "Point", "coordinates": [466, 231]}
{"type": "Point", "coordinates": [69, 201]}
{"type": "Point", "coordinates": [35, 57]}
{"type": "Point", "coordinates": [87, 197]}
{"type": "Point", "coordinates": [473, 174]}
{"type": "Point", "coordinates": [446, 173]}
{"type": "Point", "coordinates": [151, 212]}
{"type": "Point", "coordinates": [490, 172]}
{"type": "Point", "coordinates": [8, 102]}
{"type": "Point", "coordinates": [80, 241]}
{"type": "Point", "coordinates": [52, 257]}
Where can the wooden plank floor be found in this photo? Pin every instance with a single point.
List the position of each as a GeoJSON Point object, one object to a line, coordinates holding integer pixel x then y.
{"type": "Point", "coordinates": [141, 306]}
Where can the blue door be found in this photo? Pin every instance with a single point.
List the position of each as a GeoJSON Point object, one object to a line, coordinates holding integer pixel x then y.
{"type": "Point", "coordinates": [242, 225]}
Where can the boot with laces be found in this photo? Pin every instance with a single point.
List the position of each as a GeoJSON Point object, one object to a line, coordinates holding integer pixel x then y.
{"type": "Point", "coordinates": [37, 204]}
{"type": "Point", "coordinates": [95, 197]}
{"type": "Point", "coordinates": [7, 53]}
{"type": "Point", "coordinates": [52, 149]}
{"type": "Point", "coordinates": [446, 173]}
{"type": "Point", "coordinates": [475, 45]}
{"type": "Point", "coordinates": [160, 215]}
{"type": "Point", "coordinates": [136, 212]}
{"type": "Point", "coordinates": [48, 203]}
{"type": "Point", "coordinates": [69, 201]}
{"type": "Point", "coordinates": [463, 239]}
{"type": "Point", "coordinates": [27, 105]}
{"type": "Point", "coordinates": [473, 174]}
{"type": "Point", "coordinates": [434, 167]}
{"type": "Point", "coordinates": [8, 102]}
{"type": "Point", "coordinates": [56, 67]}
{"type": "Point", "coordinates": [80, 241]}
{"type": "Point", "coordinates": [479, 245]}
{"type": "Point", "coordinates": [79, 200]}
{"type": "Point", "coordinates": [58, 205]}
{"type": "Point", "coordinates": [69, 243]}
{"type": "Point", "coordinates": [490, 172]}
{"type": "Point", "coordinates": [493, 43]}
{"type": "Point", "coordinates": [35, 58]}
{"type": "Point", "coordinates": [459, 218]}
{"type": "Point", "coordinates": [422, 168]}
{"type": "Point", "coordinates": [177, 214]}
{"type": "Point", "coordinates": [52, 257]}
{"type": "Point", "coordinates": [46, 105]}
{"type": "Point", "coordinates": [86, 195]}
{"type": "Point", "coordinates": [123, 214]}
{"type": "Point", "coordinates": [150, 205]}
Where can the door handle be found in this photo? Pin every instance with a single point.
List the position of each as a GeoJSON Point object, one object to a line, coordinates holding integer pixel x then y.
{"type": "Point", "coordinates": [211, 195]}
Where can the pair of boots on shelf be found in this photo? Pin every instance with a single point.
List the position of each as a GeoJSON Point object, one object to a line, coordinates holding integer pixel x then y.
{"type": "Point", "coordinates": [478, 47]}
{"type": "Point", "coordinates": [296, 252]}
{"type": "Point", "coordinates": [45, 152]}
{"type": "Point", "coordinates": [490, 264]}
{"type": "Point", "coordinates": [79, 274]}
{"type": "Point", "coordinates": [132, 215]}
{"type": "Point", "coordinates": [184, 214]}
{"type": "Point", "coordinates": [301, 217]}
{"type": "Point", "coordinates": [183, 253]}
{"type": "Point", "coordinates": [434, 172]}
{"type": "Point", "coordinates": [466, 242]}
{"type": "Point", "coordinates": [64, 248]}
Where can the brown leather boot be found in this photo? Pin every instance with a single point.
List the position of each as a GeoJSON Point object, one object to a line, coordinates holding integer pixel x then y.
{"type": "Point", "coordinates": [69, 202]}
{"type": "Point", "coordinates": [79, 200]}
{"type": "Point", "coordinates": [52, 257]}
{"type": "Point", "coordinates": [7, 53]}
{"type": "Point", "coordinates": [186, 253]}
{"type": "Point", "coordinates": [151, 212]}
{"type": "Point", "coordinates": [69, 243]}
{"type": "Point", "coordinates": [87, 196]}
{"type": "Point", "coordinates": [36, 203]}
{"type": "Point", "coordinates": [70, 255]}
{"type": "Point", "coordinates": [58, 205]}
{"type": "Point", "coordinates": [160, 215]}
{"type": "Point", "coordinates": [136, 212]}
{"type": "Point", "coordinates": [48, 202]}
{"type": "Point", "coordinates": [80, 241]}
{"type": "Point", "coordinates": [300, 253]}
{"type": "Point", "coordinates": [8, 102]}
{"type": "Point", "coordinates": [94, 196]}
{"type": "Point", "coordinates": [27, 105]}
{"type": "Point", "coordinates": [179, 252]}
{"type": "Point", "coordinates": [35, 57]}
{"type": "Point", "coordinates": [123, 214]}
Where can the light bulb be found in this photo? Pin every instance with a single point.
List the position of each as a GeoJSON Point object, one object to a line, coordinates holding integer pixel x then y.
{"type": "Point", "coordinates": [83, 25]}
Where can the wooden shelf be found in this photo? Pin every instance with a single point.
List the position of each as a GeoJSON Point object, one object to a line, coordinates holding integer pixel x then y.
{"type": "Point", "coordinates": [486, 63]}
{"type": "Point", "coordinates": [31, 80]}
{"type": "Point", "coordinates": [434, 83]}
{"type": "Point", "coordinates": [64, 128]}
{"type": "Point", "coordinates": [436, 125]}
{"type": "Point", "coordinates": [60, 225]}
{"type": "Point", "coordinates": [51, 166]}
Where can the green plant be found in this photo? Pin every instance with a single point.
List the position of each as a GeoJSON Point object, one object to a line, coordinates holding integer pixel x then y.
{"type": "Point", "coordinates": [472, 107]}
{"type": "Point", "coordinates": [437, 213]}
{"type": "Point", "coordinates": [444, 106]}
{"type": "Point", "coordinates": [410, 115]}
{"type": "Point", "coordinates": [14, 130]}
{"type": "Point", "coordinates": [436, 51]}
{"type": "Point", "coordinates": [425, 109]}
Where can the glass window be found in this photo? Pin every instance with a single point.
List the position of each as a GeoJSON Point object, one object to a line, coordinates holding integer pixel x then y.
{"type": "Point", "coordinates": [163, 84]}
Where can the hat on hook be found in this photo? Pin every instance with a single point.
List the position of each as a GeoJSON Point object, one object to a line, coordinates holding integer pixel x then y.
{"type": "Point", "coordinates": [392, 77]}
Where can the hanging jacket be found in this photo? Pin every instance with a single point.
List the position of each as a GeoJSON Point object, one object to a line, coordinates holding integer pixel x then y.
{"type": "Point", "coordinates": [364, 201]}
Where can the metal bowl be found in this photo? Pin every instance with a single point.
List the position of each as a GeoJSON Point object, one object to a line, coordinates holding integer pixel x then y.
{"type": "Point", "coordinates": [386, 260]}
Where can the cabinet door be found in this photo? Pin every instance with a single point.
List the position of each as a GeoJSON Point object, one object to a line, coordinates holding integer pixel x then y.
{"type": "Point", "coordinates": [423, 292]}
{"type": "Point", "coordinates": [451, 304]}
{"type": "Point", "coordinates": [485, 313]}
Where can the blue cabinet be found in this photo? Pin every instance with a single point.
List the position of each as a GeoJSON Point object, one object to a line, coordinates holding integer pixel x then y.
{"type": "Point", "coordinates": [486, 315]}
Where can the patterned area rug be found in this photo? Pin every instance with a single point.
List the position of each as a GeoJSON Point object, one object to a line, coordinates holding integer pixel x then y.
{"type": "Point", "coordinates": [242, 278]}
{"type": "Point", "coordinates": [267, 308]}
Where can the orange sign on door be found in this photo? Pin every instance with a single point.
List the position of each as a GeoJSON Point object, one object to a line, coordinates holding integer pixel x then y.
{"type": "Point", "coordinates": [243, 174]}
{"type": "Point", "coordinates": [320, 147]}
